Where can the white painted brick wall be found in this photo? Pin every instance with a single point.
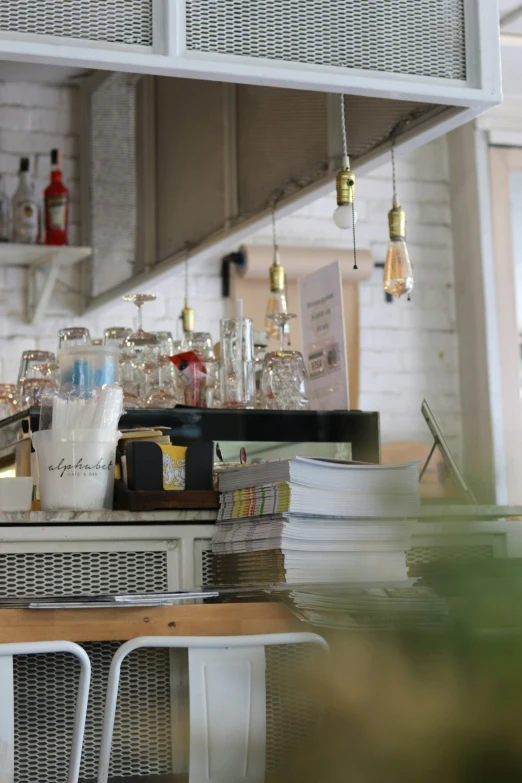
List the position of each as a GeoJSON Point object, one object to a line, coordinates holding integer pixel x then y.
{"type": "Point", "coordinates": [408, 349]}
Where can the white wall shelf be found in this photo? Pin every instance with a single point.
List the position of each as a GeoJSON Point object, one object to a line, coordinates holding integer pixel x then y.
{"type": "Point", "coordinates": [43, 264]}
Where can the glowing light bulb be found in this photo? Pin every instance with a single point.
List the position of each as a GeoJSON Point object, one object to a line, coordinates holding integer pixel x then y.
{"type": "Point", "coordinates": [398, 274]}
{"type": "Point", "coordinates": [277, 300]}
{"type": "Point", "coordinates": [276, 304]}
{"type": "Point", "coordinates": [344, 216]}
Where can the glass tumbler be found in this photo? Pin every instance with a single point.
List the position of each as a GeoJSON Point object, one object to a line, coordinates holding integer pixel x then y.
{"type": "Point", "coordinates": [237, 385]}
{"type": "Point", "coordinates": [284, 381]}
{"type": "Point", "coordinates": [37, 376]}
{"type": "Point", "coordinates": [73, 336]}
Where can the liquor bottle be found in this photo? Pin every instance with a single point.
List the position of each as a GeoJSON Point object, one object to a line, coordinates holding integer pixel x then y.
{"type": "Point", "coordinates": [25, 207]}
{"type": "Point", "coordinates": [56, 204]}
{"type": "Point", "coordinates": [5, 212]}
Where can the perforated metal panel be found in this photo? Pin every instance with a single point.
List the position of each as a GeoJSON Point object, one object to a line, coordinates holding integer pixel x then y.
{"type": "Point", "coordinates": [414, 37]}
{"type": "Point", "coordinates": [290, 712]}
{"type": "Point", "coordinates": [67, 573]}
{"type": "Point", "coordinates": [45, 685]}
{"type": "Point", "coordinates": [418, 556]}
{"type": "Point", "coordinates": [113, 21]}
{"type": "Point", "coordinates": [203, 562]}
{"type": "Point", "coordinates": [282, 138]}
{"type": "Point", "coordinates": [113, 186]}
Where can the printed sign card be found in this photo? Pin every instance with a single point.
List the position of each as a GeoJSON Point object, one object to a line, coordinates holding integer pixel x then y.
{"type": "Point", "coordinates": [324, 338]}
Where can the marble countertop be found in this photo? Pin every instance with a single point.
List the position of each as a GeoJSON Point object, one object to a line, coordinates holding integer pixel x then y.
{"type": "Point", "coordinates": [174, 516]}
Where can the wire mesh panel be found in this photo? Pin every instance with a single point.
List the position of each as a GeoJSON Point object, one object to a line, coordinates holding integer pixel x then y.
{"type": "Point", "coordinates": [84, 573]}
{"type": "Point", "coordinates": [414, 37]}
{"type": "Point", "coordinates": [291, 713]}
{"type": "Point", "coordinates": [45, 686]}
{"type": "Point", "coordinates": [419, 556]}
{"type": "Point", "coordinates": [203, 562]}
{"type": "Point", "coordinates": [113, 181]}
{"type": "Point", "coordinates": [112, 21]}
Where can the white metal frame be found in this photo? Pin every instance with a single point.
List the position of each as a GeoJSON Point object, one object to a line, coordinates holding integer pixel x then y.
{"type": "Point", "coordinates": [212, 644]}
{"type": "Point", "coordinates": [6, 688]}
{"type": "Point", "coordinates": [169, 57]}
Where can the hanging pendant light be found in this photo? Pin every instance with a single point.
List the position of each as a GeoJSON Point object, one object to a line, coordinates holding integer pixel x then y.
{"type": "Point", "coordinates": [277, 299]}
{"type": "Point", "coordinates": [187, 314]}
{"type": "Point", "coordinates": [345, 215]}
{"type": "Point", "coordinates": [398, 273]}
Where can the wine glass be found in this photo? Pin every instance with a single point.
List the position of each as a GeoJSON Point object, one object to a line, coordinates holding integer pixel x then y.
{"type": "Point", "coordinates": [281, 320]}
{"type": "Point", "coordinates": [284, 380]}
{"type": "Point", "coordinates": [141, 348]}
{"type": "Point", "coordinates": [140, 338]}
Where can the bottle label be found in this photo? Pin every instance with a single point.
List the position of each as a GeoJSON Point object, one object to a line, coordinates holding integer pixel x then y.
{"type": "Point", "coordinates": [57, 212]}
{"type": "Point", "coordinates": [26, 221]}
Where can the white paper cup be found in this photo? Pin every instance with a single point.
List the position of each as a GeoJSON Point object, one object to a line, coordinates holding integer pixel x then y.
{"type": "Point", "coordinates": [76, 469]}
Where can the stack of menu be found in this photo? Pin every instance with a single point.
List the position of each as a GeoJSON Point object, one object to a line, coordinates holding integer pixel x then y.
{"type": "Point", "coordinates": [311, 521]}
{"type": "Point", "coordinates": [370, 608]}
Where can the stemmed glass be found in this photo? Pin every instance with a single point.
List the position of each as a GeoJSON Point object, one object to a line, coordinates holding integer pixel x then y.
{"type": "Point", "coordinates": [141, 348]}
{"type": "Point", "coordinates": [140, 338]}
{"type": "Point", "coordinates": [281, 320]}
{"type": "Point", "coordinates": [284, 380]}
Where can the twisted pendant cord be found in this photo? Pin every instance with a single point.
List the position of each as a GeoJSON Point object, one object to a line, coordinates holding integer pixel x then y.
{"type": "Point", "coordinates": [274, 232]}
{"type": "Point", "coordinates": [186, 279]}
{"type": "Point", "coordinates": [345, 153]}
{"type": "Point", "coordinates": [394, 174]}
{"type": "Point", "coordinates": [343, 127]}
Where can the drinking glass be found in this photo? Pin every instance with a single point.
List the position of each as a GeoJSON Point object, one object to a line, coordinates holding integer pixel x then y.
{"type": "Point", "coordinates": [114, 336]}
{"type": "Point", "coordinates": [7, 400]}
{"type": "Point", "coordinates": [284, 380]}
{"type": "Point", "coordinates": [37, 376]}
{"type": "Point", "coordinates": [140, 338]}
{"type": "Point", "coordinates": [162, 390]}
{"type": "Point", "coordinates": [237, 385]}
{"type": "Point", "coordinates": [72, 336]}
{"type": "Point", "coordinates": [142, 349]}
{"type": "Point", "coordinates": [37, 359]}
{"type": "Point", "coordinates": [200, 343]}
{"type": "Point", "coordinates": [10, 391]}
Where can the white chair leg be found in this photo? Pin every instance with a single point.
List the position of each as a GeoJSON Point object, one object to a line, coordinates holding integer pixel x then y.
{"type": "Point", "coordinates": [35, 648]}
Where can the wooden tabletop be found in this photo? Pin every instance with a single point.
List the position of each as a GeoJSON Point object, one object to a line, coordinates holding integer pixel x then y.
{"type": "Point", "coordinates": [122, 623]}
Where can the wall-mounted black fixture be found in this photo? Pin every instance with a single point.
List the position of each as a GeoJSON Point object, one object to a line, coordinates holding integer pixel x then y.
{"type": "Point", "coordinates": [238, 258]}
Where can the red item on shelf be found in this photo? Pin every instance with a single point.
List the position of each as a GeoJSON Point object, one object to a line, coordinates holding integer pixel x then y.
{"type": "Point", "coordinates": [192, 371]}
{"type": "Point", "coordinates": [56, 205]}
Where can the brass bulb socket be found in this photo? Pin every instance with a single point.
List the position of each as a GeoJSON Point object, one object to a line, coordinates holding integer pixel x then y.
{"type": "Point", "coordinates": [277, 276]}
{"type": "Point", "coordinates": [397, 223]}
{"type": "Point", "coordinates": [187, 319]}
{"type": "Point", "coordinates": [345, 184]}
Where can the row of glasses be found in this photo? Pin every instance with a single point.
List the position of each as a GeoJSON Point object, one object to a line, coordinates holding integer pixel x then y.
{"type": "Point", "coordinates": [37, 375]}
{"type": "Point", "coordinates": [283, 378]}
{"type": "Point", "coordinates": [163, 391]}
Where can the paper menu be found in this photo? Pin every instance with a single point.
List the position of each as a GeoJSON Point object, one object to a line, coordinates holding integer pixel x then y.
{"type": "Point", "coordinates": [324, 338]}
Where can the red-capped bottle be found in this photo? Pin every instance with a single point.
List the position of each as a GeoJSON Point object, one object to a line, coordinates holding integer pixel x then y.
{"type": "Point", "coordinates": [56, 198]}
